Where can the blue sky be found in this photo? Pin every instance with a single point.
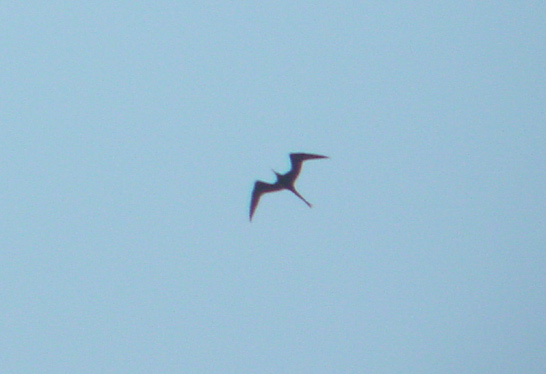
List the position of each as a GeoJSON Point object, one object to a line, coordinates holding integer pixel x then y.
{"type": "Point", "coordinates": [132, 133]}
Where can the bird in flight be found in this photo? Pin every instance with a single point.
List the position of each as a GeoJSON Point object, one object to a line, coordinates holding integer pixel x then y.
{"type": "Point", "coordinates": [284, 181]}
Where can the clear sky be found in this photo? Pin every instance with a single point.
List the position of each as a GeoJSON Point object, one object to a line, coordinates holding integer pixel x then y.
{"type": "Point", "coordinates": [132, 132]}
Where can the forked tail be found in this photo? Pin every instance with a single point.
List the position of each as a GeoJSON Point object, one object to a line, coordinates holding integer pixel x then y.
{"type": "Point", "coordinates": [301, 197]}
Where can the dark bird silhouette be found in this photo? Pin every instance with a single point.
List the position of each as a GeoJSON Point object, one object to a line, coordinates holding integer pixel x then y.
{"type": "Point", "coordinates": [284, 181]}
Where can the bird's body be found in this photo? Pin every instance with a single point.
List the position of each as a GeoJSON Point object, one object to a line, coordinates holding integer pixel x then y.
{"type": "Point", "coordinates": [284, 181]}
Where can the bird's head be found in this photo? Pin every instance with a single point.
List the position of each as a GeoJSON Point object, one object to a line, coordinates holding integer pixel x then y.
{"type": "Point", "coordinates": [277, 174]}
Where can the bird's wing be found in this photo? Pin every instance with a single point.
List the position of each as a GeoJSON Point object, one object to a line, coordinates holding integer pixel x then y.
{"type": "Point", "coordinates": [297, 159]}
{"type": "Point", "coordinates": [259, 189]}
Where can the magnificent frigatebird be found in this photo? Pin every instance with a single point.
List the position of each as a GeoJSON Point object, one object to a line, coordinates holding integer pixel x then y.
{"type": "Point", "coordinates": [284, 181]}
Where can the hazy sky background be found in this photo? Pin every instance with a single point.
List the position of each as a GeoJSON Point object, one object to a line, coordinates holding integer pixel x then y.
{"type": "Point", "coordinates": [131, 135]}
